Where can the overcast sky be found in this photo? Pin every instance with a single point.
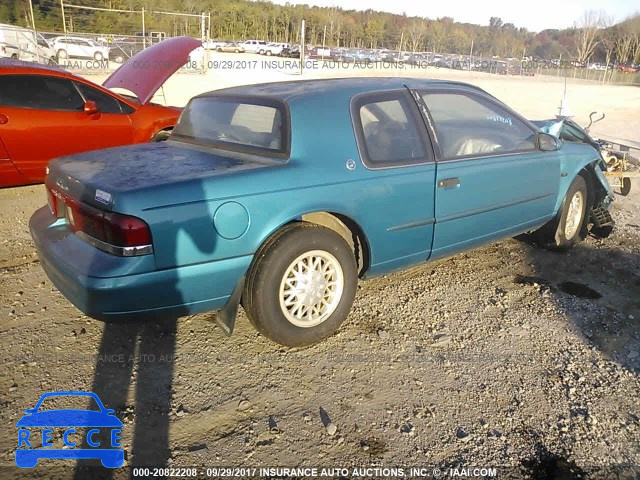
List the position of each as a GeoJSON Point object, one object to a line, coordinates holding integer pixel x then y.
{"type": "Point", "coordinates": [534, 15]}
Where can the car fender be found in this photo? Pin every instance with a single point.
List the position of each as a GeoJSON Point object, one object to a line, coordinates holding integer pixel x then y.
{"type": "Point", "coordinates": [148, 120]}
{"type": "Point", "coordinates": [296, 214]}
{"type": "Point", "coordinates": [579, 157]}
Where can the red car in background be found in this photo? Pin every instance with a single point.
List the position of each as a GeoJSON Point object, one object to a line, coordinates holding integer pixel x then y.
{"type": "Point", "coordinates": [47, 112]}
{"type": "Point", "coordinates": [626, 68]}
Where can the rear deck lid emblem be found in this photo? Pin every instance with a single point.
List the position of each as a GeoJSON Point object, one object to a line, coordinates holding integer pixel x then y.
{"type": "Point", "coordinates": [103, 197]}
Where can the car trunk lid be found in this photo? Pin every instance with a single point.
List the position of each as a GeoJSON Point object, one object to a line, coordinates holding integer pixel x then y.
{"type": "Point", "coordinates": [100, 178]}
{"type": "Point", "coordinates": [145, 72]}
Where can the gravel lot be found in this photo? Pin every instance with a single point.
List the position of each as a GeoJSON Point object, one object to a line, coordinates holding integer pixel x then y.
{"type": "Point", "coordinates": [508, 356]}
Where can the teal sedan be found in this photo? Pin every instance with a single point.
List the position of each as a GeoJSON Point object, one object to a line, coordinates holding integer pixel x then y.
{"type": "Point", "coordinates": [279, 197]}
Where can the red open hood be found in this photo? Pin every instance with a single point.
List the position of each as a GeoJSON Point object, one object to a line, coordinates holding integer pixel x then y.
{"type": "Point", "coordinates": [145, 72]}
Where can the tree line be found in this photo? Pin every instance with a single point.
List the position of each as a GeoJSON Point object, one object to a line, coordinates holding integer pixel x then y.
{"type": "Point", "coordinates": [594, 36]}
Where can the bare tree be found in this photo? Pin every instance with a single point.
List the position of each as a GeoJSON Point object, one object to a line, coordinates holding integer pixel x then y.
{"type": "Point", "coordinates": [624, 44]}
{"type": "Point", "coordinates": [608, 42]}
{"type": "Point", "coordinates": [587, 33]}
{"type": "Point", "coordinates": [416, 35]}
{"type": "Point", "coordinates": [636, 47]}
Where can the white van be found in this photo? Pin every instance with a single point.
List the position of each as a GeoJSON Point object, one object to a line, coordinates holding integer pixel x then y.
{"type": "Point", "coordinates": [24, 44]}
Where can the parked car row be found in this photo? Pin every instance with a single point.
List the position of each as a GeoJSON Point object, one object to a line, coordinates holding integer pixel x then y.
{"type": "Point", "coordinates": [510, 66]}
{"type": "Point", "coordinates": [250, 46]}
{"type": "Point", "coordinates": [25, 44]}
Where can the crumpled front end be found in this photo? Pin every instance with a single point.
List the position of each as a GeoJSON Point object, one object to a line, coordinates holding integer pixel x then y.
{"type": "Point", "coordinates": [569, 131]}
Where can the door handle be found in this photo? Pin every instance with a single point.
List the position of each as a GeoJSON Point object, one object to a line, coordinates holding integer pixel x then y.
{"type": "Point", "coordinates": [449, 182]}
{"type": "Point", "coordinates": [3, 119]}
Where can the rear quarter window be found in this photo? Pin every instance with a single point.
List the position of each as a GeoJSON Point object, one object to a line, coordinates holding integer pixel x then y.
{"type": "Point", "coordinates": [389, 130]}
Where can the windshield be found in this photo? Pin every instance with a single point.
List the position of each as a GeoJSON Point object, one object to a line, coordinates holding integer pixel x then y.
{"type": "Point", "coordinates": [235, 123]}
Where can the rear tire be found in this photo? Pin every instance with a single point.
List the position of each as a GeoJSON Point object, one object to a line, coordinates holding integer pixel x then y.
{"type": "Point", "coordinates": [301, 285]}
{"type": "Point", "coordinates": [568, 228]}
{"type": "Point", "coordinates": [98, 56]}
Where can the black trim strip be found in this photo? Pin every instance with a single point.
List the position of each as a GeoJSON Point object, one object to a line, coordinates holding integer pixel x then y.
{"type": "Point", "coordinates": [416, 223]}
{"type": "Point", "coordinates": [114, 249]}
{"type": "Point", "coordinates": [493, 207]}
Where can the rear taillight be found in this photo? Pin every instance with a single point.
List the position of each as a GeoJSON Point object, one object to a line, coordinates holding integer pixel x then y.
{"type": "Point", "coordinates": [115, 233]}
{"type": "Point", "coordinates": [56, 202]}
{"type": "Point", "coordinates": [52, 202]}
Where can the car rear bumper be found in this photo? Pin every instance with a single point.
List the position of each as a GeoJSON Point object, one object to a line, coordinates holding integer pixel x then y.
{"type": "Point", "coordinates": [108, 287]}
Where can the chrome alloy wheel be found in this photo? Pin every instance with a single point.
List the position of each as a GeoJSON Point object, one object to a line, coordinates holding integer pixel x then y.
{"type": "Point", "coordinates": [311, 288]}
{"type": "Point", "coordinates": [574, 215]}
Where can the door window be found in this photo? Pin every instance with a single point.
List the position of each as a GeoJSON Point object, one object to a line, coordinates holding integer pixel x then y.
{"type": "Point", "coordinates": [105, 102]}
{"type": "Point", "coordinates": [468, 125]}
{"type": "Point", "coordinates": [40, 92]}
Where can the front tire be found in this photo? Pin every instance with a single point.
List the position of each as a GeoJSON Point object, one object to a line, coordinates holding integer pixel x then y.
{"type": "Point", "coordinates": [161, 136]}
{"type": "Point", "coordinates": [625, 186]}
{"type": "Point", "coordinates": [301, 285]}
{"type": "Point", "coordinates": [567, 229]}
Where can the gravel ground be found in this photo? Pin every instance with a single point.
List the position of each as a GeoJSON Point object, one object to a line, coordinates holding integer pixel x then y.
{"type": "Point", "coordinates": [478, 360]}
{"type": "Point", "coordinates": [507, 356]}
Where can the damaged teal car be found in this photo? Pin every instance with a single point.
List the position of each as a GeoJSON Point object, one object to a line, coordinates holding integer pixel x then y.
{"type": "Point", "coordinates": [279, 197]}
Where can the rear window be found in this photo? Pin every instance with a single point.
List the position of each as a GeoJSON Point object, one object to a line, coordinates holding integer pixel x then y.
{"type": "Point", "coordinates": [259, 125]}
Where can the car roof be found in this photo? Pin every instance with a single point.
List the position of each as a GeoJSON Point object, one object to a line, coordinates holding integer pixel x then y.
{"type": "Point", "coordinates": [355, 85]}
{"type": "Point", "coordinates": [22, 66]}
{"type": "Point", "coordinates": [64, 37]}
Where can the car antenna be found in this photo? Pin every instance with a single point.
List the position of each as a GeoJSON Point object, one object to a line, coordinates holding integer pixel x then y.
{"type": "Point", "coordinates": [564, 111]}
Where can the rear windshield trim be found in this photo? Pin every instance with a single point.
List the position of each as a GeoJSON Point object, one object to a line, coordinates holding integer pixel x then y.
{"type": "Point", "coordinates": [283, 153]}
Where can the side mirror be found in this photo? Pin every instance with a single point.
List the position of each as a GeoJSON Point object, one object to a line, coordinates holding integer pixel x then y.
{"type": "Point", "coordinates": [547, 143]}
{"type": "Point", "coordinates": [90, 107]}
